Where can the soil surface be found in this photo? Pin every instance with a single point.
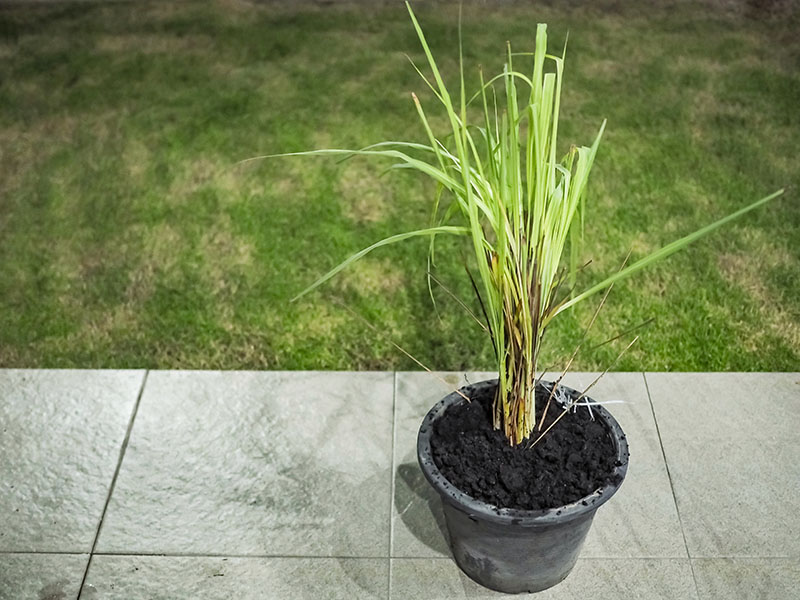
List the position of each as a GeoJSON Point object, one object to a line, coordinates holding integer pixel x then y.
{"type": "Point", "coordinates": [573, 460]}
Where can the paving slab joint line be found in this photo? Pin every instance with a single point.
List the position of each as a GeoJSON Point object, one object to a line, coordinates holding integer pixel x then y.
{"type": "Point", "coordinates": [114, 478]}
{"type": "Point", "coordinates": [391, 487]}
{"type": "Point", "coordinates": [246, 556]}
{"type": "Point", "coordinates": [671, 484]}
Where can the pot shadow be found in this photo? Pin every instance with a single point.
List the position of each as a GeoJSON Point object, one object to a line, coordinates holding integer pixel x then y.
{"type": "Point", "coordinates": [363, 572]}
{"type": "Point", "coordinates": [420, 509]}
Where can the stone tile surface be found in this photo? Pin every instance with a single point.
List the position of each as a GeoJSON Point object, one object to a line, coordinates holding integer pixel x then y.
{"type": "Point", "coordinates": [738, 498]}
{"type": "Point", "coordinates": [417, 518]}
{"type": "Point", "coordinates": [747, 578]}
{"type": "Point", "coordinates": [713, 406]}
{"type": "Point", "coordinates": [640, 521]}
{"type": "Point", "coordinates": [735, 464]}
{"type": "Point", "coordinates": [41, 576]}
{"type": "Point", "coordinates": [598, 579]}
{"type": "Point", "coordinates": [60, 436]}
{"type": "Point", "coordinates": [191, 578]}
{"type": "Point", "coordinates": [261, 463]}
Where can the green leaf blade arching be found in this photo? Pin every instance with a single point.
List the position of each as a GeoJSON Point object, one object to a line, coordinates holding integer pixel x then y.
{"type": "Point", "coordinates": [384, 242]}
{"type": "Point", "coordinates": [666, 251]}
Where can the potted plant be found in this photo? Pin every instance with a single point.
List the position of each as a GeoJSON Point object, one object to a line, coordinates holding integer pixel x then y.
{"type": "Point", "coordinates": [521, 465]}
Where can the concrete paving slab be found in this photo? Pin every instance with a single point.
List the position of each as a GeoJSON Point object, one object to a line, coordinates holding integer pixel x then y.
{"type": "Point", "coordinates": [257, 463]}
{"type": "Point", "coordinates": [221, 464]}
{"type": "Point", "coordinates": [734, 463]}
{"type": "Point", "coordinates": [747, 578]}
{"type": "Point", "coordinates": [190, 578]}
{"type": "Point", "coordinates": [41, 576]}
{"type": "Point", "coordinates": [738, 498]}
{"type": "Point", "coordinates": [60, 436]}
{"type": "Point", "coordinates": [732, 406]}
{"type": "Point", "coordinates": [599, 579]}
{"type": "Point", "coordinates": [417, 518]}
{"type": "Point", "coordinates": [641, 520]}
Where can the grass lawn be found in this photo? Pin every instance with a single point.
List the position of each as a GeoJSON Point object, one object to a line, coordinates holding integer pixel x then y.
{"type": "Point", "coordinates": [130, 238]}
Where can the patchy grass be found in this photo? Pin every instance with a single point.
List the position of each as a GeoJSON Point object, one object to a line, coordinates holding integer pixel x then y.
{"type": "Point", "coordinates": [130, 238]}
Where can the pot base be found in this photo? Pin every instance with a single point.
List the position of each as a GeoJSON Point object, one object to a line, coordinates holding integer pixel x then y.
{"type": "Point", "coordinates": [529, 561]}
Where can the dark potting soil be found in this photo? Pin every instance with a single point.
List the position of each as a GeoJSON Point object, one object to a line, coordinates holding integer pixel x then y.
{"type": "Point", "coordinates": [573, 460]}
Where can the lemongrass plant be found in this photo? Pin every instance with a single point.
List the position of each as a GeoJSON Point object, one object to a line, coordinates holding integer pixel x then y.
{"type": "Point", "coordinates": [519, 204]}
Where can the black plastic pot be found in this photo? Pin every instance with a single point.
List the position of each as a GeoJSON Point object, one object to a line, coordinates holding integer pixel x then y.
{"type": "Point", "coordinates": [511, 550]}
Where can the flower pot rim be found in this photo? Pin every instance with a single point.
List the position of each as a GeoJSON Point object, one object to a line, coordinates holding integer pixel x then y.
{"type": "Point", "coordinates": [525, 518]}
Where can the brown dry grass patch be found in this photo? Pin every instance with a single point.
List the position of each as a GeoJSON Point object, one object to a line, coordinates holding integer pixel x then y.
{"type": "Point", "coordinates": [364, 197]}
{"type": "Point", "coordinates": [747, 271]}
